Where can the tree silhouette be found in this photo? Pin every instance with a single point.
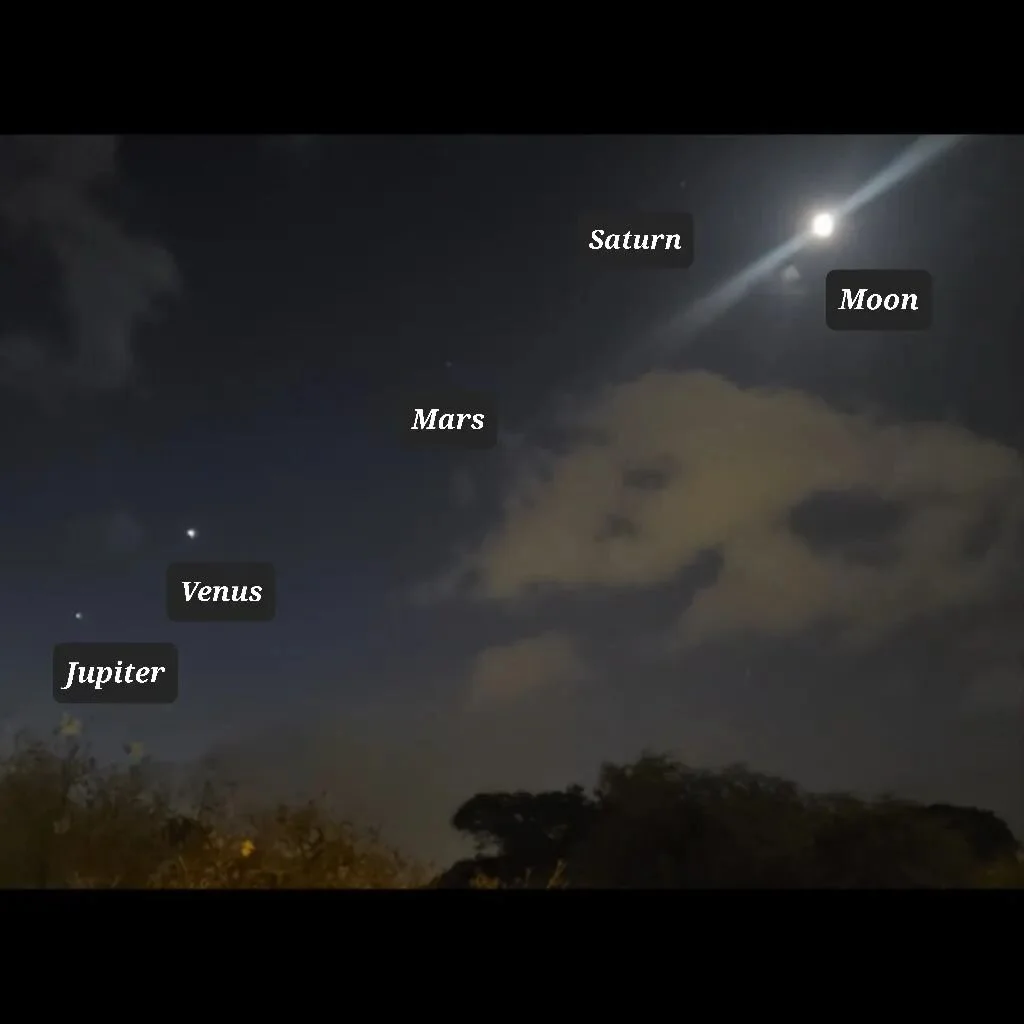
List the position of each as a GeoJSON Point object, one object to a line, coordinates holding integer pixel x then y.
{"type": "Point", "coordinates": [658, 823]}
{"type": "Point", "coordinates": [989, 837]}
{"type": "Point", "coordinates": [67, 821]}
{"type": "Point", "coordinates": [521, 833]}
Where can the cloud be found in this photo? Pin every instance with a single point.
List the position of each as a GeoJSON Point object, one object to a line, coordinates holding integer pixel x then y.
{"type": "Point", "coordinates": [816, 514]}
{"type": "Point", "coordinates": [108, 538]}
{"type": "Point", "coordinates": [109, 279]}
{"type": "Point", "coordinates": [505, 673]}
{"type": "Point", "coordinates": [986, 654]}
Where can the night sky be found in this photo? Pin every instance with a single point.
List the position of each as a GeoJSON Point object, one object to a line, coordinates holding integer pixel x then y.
{"type": "Point", "coordinates": [739, 537]}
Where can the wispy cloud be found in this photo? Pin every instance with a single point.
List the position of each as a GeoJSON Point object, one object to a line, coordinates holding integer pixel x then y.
{"type": "Point", "coordinates": [506, 672]}
{"type": "Point", "coordinates": [52, 192]}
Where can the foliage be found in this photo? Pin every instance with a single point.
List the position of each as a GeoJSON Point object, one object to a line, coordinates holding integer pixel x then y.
{"type": "Point", "coordinates": [658, 823]}
{"type": "Point", "coordinates": [68, 822]}
{"type": "Point", "coordinates": [299, 848]}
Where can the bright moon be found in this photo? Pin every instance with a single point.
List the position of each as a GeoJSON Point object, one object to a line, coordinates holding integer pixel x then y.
{"type": "Point", "coordinates": [823, 225]}
{"type": "Point", "coordinates": [191, 534]}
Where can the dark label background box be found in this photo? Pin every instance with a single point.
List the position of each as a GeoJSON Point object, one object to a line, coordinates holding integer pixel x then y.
{"type": "Point", "coordinates": [640, 222]}
{"type": "Point", "coordinates": [884, 282]}
{"type": "Point", "coordinates": [453, 401]}
{"type": "Point", "coordinates": [164, 691]}
{"type": "Point", "coordinates": [221, 574]}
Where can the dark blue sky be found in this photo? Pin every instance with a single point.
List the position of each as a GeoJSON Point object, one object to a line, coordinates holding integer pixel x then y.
{"type": "Point", "coordinates": [208, 331]}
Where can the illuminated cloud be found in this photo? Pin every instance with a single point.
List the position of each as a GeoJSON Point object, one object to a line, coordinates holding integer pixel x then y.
{"type": "Point", "coordinates": [535, 663]}
{"type": "Point", "coordinates": [674, 465]}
